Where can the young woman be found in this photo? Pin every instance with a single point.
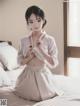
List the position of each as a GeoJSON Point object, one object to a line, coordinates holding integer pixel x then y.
{"type": "Point", "coordinates": [39, 52]}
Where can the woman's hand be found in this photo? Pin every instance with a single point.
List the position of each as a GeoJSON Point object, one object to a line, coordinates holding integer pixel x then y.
{"type": "Point", "coordinates": [30, 55]}
{"type": "Point", "coordinates": [39, 43]}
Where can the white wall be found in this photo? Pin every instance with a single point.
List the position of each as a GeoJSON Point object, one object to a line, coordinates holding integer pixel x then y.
{"type": "Point", "coordinates": [14, 27]}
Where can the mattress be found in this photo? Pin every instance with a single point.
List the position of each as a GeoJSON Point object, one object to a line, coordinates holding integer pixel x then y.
{"type": "Point", "coordinates": [64, 100]}
{"type": "Point", "coordinates": [69, 85]}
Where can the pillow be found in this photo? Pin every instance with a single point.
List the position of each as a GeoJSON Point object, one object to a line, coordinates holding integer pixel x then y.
{"type": "Point", "coordinates": [8, 56]}
{"type": "Point", "coordinates": [4, 44]}
{"type": "Point", "coordinates": [4, 79]}
{"type": "Point", "coordinates": [1, 65]}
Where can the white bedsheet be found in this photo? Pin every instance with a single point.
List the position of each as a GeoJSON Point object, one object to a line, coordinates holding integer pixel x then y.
{"type": "Point", "coordinates": [4, 79]}
{"type": "Point", "coordinates": [8, 78]}
{"type": "Point", "coordinates": [70, 86]}
{"type": "Point", "coordinates": [13, 74]}
{"type": "Point", "coordinates": [64, 100]}
{"type": "Point", "coordinates": [12, 99]}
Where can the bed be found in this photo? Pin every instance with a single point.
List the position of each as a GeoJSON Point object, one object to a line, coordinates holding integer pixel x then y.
{"type": "Point", "coordinates": [71, 96]}
{"type": "Point", "coordinates": [10, 71]}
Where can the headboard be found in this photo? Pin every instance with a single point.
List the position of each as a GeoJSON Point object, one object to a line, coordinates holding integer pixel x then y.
{"type": "Point", "coordinates": [9, 42]}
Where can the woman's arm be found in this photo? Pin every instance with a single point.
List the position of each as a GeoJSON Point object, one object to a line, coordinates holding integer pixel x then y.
{"type": "Point", "coordinates": [27, 59]}
{"type": "Point", "coordinates": [50, 58]}
{"type": "Point", "coordinates": [24, 58]}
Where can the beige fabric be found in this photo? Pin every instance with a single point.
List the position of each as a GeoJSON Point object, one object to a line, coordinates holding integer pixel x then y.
{"type": "Point", "coordinates": [47, 43]}
{"type": "Point", "coordinates": [35, 84]}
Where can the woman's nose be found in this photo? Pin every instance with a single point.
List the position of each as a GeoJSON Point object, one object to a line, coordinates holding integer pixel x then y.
{"type": "Point", "coordinates": [35, 24]}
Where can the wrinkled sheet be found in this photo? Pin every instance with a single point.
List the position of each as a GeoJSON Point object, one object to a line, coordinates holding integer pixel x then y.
{"type": "Point", "coordinates": [8, 78]}
{"type": "Point", "coordinates": [12, 99]}
{"type": "Point", "coordinates": [64, 100]}
{"type": "Point", "coordinates": [71, 90]}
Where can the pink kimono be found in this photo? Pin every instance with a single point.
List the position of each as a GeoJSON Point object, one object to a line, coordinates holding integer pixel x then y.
{"type": "Point", "coordinates": [36, 81]}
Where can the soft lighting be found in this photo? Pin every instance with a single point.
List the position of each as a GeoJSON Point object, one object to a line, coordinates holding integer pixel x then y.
{"type": "Point", "coordinates": [74, 24]}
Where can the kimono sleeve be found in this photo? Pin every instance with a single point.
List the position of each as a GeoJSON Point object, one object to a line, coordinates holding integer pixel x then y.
{"type": "Point", "coordinates": [53, 51]}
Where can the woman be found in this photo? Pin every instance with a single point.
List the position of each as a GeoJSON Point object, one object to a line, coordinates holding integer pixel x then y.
{"type": "Point", "coordinates": [39, 52]}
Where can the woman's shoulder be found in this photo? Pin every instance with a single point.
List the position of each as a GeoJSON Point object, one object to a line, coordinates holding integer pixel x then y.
{"type": "Point", "coordinates": [25, 39]}
{"type": "Point", "coordinates": [50, 38]}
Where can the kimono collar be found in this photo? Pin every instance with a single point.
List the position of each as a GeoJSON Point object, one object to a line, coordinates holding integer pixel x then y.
{"type": "Point", "coordinates": [40, 38]}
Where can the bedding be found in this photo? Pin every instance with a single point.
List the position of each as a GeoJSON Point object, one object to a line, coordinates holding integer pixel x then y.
{"type": "Point", "coordinates": [12, 99]}
{"type": "Point", "coordinates": [64, 100]}
{"type": "Point", "coordinates": [4, 79]}
{"type": "Point", "coordinates": [67, 84]}
{"type": "Point", "coordinates": [13, 74]}
{"type": "Point", "coordinates": [71, 96]}
{"type": "Point", "coordinates": [8, 56]}
{"type": "Point", "coordinates": [3, 41]}
{"type": "Point", "coordinates": [8, 78]}
{"type": "Point", "coordinates": [8, 62]}
{"type": "Point", "coordinates": [1, 65]}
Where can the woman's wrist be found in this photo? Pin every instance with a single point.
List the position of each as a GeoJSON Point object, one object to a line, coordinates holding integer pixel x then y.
{"type": "Point", "coordinates": [27, 59]}
{"type": "Point", "coordinates": [31, 56]}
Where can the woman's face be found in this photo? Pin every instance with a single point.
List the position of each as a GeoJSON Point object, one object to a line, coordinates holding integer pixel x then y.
{"type": "Point", "coordinates": [35, 23]}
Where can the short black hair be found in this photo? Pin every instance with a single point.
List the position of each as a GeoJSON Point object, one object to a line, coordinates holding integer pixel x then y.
{"type": "Point", "coordinates": [37, 11]}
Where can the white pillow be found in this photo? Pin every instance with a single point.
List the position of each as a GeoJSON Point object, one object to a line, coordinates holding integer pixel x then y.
{"type": "Point", "coordinates": [4, 44]}
{"type": "Point", "coordinates": [4, 79]}
{"type": "Point", "coordinates": [8, 56]}
{"type": "Point", "coordinates": [1, 65]}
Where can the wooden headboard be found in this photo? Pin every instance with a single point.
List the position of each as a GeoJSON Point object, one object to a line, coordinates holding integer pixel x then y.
{"type": "Point", "coordinates": [9, 42]}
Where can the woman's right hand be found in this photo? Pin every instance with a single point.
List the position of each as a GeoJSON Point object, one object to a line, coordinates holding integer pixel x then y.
{"type": "Point", "coordinates": [28, 58]}
{"type": "Point", "coordinates": [30, 53]}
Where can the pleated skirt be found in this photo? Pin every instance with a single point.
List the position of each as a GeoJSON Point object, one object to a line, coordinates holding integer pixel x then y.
{"type": "Point", "coordinates": [36, 83]}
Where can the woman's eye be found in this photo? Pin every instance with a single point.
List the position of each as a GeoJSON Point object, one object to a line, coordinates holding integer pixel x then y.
{"type": "Point", "coordinates": [39, 20]}
{"type": "Point", "coordinates": [30, 22]}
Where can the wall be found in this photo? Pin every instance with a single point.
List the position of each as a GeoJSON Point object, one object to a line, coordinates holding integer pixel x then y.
{"type": "Point", "coordinates": [13, 24]}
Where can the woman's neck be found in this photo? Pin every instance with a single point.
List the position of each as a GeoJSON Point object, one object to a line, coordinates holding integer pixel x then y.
{"type": "Point", "coordinates": [37, 33]}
